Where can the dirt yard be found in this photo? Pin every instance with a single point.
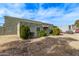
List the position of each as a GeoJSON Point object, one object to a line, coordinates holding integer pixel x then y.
{"type": "Point", "coordinates": [74, 44]}
{"type": "Point", "coordinates": [63, 45]}
{"type": "Point", "coordinates": [8, 38]}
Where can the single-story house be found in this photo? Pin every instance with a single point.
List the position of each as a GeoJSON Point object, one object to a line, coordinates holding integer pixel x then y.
{"type": "Point", "coordinates": [12, 26]}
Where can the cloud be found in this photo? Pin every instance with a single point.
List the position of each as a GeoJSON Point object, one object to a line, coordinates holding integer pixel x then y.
{"type": "Point", "coordinates": [61, 15]}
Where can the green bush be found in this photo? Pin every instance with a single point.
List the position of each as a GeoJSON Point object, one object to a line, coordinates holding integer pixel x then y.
{"type": "Point", "coordinates": [55, 31]}
{"type": "Point", "coordinates": [41, 33]}
{"type": "Point", "coordinates": [24, 32]}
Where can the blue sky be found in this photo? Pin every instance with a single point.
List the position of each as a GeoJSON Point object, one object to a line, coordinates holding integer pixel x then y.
{"type": "Point", "coordinates": [59, 14]}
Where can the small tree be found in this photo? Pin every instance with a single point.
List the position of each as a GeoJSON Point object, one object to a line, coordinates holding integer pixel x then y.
{"type": "Point", "coordinates": [24, 32]}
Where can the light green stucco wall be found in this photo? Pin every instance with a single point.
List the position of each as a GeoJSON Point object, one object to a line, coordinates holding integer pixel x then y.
{"type": "Point", "coordinates": [11, 23]}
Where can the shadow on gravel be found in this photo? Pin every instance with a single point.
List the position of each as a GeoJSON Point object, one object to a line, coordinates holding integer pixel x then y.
{"type": "Point", "coordinates": [47, 47]}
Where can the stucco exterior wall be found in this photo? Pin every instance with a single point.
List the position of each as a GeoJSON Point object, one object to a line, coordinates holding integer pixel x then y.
{"type": "Point", "coordinates": [12, 25]}
{"type": "Point", "coordinates": [33, 27]}
{"type": "Point", "coordinates": [1, 31]}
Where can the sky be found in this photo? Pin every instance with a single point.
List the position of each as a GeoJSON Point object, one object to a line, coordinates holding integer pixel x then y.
{"type": "Point", "coordinates": [58, 14]}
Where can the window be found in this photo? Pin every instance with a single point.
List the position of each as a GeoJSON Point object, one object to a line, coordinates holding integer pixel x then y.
{"type": "Point", "coordinates": [38, 28]}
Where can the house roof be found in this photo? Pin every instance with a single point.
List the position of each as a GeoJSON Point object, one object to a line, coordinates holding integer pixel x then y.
{"type": "Point", "coordinates": [28, 20]}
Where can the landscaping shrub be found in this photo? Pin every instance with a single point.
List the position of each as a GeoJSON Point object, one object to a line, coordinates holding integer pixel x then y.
{"type": "Point", "coordinates": [24, 32]}
{"type": "Point", "coordinates": [41, 33]}
{"type": "Point", "coordinates": [55, 31]}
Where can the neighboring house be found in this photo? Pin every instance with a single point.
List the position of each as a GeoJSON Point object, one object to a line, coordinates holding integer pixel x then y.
{"type": "Point", "coordinates": [12, 25]}
{"type": "Point", "coordinates": [74, 28]}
